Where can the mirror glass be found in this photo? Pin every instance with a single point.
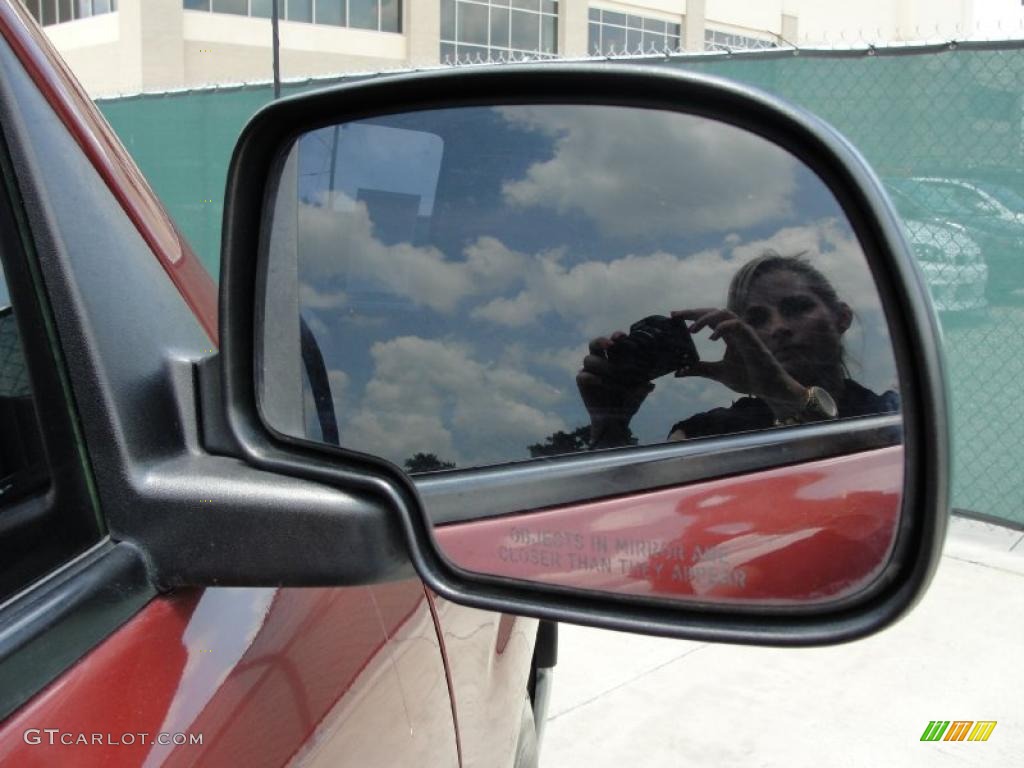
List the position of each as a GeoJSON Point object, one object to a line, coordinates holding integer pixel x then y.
{"type": "Point", "coordinates": [476, 287]}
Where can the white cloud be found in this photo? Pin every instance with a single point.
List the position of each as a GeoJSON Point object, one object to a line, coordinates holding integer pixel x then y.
{"type": "Point", "coordinates": [647, 172]}
{"type": "Point", "coordinates": [567, 360]}
{"type": "Point", "coordinates": [398, 436]}
{"type": "Point", "coordinates": [517, 312]}
{"type": "Point", "coordinates": [342, 244]}
{"type": "Point", "coordinates": [435, 397]}
{"type": "Point", "coordinates": [310, 297]}
{"type": "Point", "coordinates": [493, 265]}
{"type": "Point", "coordinates": [334, 243]}
{"type": "Point", "coordinates": [598, 297]}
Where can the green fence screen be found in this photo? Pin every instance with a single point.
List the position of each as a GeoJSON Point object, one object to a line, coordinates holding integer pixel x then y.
{"type": "Point", "coordinates": [942, 125]}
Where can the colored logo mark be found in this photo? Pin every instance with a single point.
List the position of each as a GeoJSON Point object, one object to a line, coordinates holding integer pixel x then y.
{"type": "Point", "coordinates": [959, 730]}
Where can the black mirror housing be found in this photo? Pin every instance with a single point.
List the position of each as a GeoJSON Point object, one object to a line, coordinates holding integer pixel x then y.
{"type": "Point", "coordinates": [241, 427]}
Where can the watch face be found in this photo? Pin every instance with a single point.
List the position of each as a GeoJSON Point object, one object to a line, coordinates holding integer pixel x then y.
{"type": "Point", "coordinates": [820, 403]}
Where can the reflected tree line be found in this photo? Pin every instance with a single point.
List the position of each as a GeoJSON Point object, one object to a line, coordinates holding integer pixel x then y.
{"type": "Point", "coordinates": [556, 444]}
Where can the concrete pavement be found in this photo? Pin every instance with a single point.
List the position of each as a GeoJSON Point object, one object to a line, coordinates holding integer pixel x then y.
{"type": "Point", "coordinates": [624, 700]}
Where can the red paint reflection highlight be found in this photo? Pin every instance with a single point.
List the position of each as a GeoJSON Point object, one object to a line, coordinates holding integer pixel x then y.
{"type": "Point", "coordinates": [265, 675]}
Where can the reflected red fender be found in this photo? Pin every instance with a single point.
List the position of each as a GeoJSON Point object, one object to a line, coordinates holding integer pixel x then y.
{"type": "Point", "coordinates": [796, 534]}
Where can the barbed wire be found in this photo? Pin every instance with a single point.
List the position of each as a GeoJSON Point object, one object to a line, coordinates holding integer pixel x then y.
{"type": "Point", "coordinates": [918, 34]}
{"type": "Point", "coordinates": [818, 46]}
{"type": "Point", "coordinates": [868, 42]}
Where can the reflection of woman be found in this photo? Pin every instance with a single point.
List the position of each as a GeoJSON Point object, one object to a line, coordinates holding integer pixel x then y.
{"type": "Point", "coordinates": [782, 329]}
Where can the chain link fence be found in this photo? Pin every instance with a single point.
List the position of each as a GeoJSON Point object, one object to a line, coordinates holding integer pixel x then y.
{"type": "Point", "coordinates": [943, 125]}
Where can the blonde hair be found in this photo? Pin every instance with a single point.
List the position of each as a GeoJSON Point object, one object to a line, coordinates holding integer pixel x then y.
{"type": "Point", "coordinates": [772, 261]}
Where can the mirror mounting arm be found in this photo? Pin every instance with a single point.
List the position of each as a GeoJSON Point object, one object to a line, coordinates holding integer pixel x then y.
{"type": "Point", "coordinates": [215, 433]}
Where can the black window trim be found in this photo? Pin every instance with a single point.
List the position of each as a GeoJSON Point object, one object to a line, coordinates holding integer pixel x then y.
{"type": "Point", "coordinates": [50, 625]}
{"type": "Point", "coordinates": [454, 496]}
{"type": "Point", "coordinates": [70, 600]}
{"type": "Point", "coordinates": [66, 503]}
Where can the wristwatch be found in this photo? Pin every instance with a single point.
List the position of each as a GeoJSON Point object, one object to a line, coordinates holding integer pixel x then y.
{"type": "Point", "coordinates": [818, 406]}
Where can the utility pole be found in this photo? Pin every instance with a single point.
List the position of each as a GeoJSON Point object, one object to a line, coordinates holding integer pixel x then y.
{"type": "Point", "coordinates": [277, 48]}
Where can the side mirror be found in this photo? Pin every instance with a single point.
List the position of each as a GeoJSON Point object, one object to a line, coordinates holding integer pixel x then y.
{"type": "Point", "coordinates": [466, 296]}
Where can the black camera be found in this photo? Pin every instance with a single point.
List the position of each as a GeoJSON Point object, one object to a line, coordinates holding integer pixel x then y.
{"type": "Point", "coordinates": [655, 346]}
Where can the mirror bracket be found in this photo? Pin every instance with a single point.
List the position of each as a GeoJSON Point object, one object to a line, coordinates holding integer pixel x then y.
{"type": "Point", "coordinates": [201, 516]}
{"type": "Point", "coordinates": [216, 434]}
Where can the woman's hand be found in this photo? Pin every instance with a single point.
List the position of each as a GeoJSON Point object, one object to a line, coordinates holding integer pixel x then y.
{"type": "Point", "coordinates": [610, 402]}
{"type": "Point", "coordinates": [748, 366]}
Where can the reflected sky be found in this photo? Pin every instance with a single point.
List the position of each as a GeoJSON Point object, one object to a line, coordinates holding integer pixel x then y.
{"type": "Point", "coordinates": [454, 263]}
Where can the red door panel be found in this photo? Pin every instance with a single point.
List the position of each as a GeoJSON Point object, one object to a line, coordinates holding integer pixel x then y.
{"type": "Point", "coordinates": [350, 676]}
{"type": "Point", "coordinates": [489, 656]}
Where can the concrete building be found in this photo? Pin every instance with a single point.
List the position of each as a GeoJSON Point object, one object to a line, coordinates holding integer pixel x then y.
{"type": "Point", "coordinates": [131, 46]}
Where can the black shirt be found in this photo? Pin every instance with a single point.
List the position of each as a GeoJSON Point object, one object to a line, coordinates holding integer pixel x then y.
{"type": "Point", "coordinates": [752, 413]}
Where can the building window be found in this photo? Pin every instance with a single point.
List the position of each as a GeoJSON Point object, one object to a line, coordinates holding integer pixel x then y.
{"type": "Point", "coordinates": [714, 40]}
{"type": "Point", "coordinates": [378, 15]}
{"type": "Point", "coordinates": [48, 12]}
{"type": "Point", "coordinates": [498, 30]}
{"type": "Point", "coordinates": [613, 33]}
